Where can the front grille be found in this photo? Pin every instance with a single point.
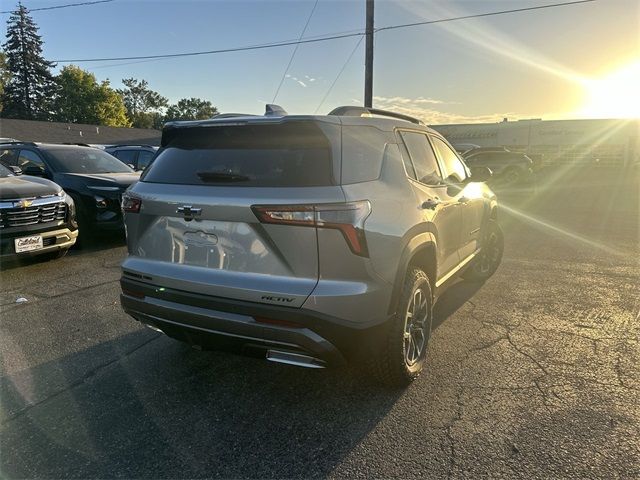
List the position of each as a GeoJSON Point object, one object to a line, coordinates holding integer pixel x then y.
{"type": "Point", "coordinates": [20, 217]}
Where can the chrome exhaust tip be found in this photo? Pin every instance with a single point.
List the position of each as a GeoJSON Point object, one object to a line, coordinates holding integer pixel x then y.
{"type": "Point", "coordinates": [153, 327]}
{"type": "Point", "coordinates": [297, 359]}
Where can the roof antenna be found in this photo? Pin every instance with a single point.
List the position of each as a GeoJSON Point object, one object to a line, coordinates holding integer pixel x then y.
{"type": "Point", "coordinates": [272, 110]}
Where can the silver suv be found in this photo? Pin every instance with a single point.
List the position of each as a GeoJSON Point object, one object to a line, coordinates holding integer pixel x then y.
{"type": "Point", "coordinates": [308, 240]}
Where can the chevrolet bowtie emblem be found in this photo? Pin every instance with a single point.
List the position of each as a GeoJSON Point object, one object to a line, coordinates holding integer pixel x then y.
{"type": "Point", "coordinates": [189, 212]}
{"type": "Point", "coordinates": [23, 204]}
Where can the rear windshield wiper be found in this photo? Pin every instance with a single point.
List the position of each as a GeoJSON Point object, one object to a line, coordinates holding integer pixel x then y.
{"type": "Point", "coordinates": [221, 177]}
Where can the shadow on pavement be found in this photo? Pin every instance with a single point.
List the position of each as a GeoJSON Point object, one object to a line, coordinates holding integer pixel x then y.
{"type": "Point", "coordinates": [167, 410]}
{"type": "Point", "coordinates": [144, 405]}
{"type": "Point", "coordinates": [452, 299]}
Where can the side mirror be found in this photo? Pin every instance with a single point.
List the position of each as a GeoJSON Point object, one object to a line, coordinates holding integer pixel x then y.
{"type": "Point", "coordinates": [15, 169]}
{"type": "Point", "coordinates": [33, 171]}
{"type": "Point", "coordinates": [481, 174]}
{"type": "Point", "coordinates": [131, 166]}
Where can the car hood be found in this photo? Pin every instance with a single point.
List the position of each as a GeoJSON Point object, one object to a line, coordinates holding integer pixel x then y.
{"type": "Point", "coordinates": [24, 186]}
{"type": "Point", "coordinates": [122, 180]}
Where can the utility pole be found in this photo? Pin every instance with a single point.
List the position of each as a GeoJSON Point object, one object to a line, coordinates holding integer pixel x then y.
{"type": "Point", "coordinates": [368, 60]}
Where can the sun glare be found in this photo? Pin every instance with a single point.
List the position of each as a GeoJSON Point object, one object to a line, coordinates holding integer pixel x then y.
{"type": "Point", "coordinates": [615, 95]}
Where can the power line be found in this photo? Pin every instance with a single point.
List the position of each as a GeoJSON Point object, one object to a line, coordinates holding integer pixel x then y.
{"type": "Point", "coordinates": [479, 15]}
{"type": "Point", "coordinates": [211, 52]}
{"type": "Point", "coordinates": [339, 74]}
{"type": "Point", "coordinates": [80, 4]}
{"type": "Point", "coordinates": [293, 54]}
{"type": "Point", "coordinates": [319, 38]}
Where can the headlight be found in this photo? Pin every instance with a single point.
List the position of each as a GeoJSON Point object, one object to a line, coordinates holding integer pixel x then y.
{"type": "Point", "coordinates": [101, 202]}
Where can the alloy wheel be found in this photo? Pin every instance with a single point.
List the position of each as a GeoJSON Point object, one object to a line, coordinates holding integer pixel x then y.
{"type": "Point", "coordinates": [415, 324]}
{"type": "Point", "coordinates": [489, 254]}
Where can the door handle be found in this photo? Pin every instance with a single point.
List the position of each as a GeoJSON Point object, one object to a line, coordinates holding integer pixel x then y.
{"type": "Point", "coordinates": [430, 204]}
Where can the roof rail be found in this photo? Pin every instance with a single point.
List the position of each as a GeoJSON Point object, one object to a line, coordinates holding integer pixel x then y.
{"type": "Point", "coordinates": [116, 145]}
{"type": "Point", "coordinates": [79, 144]}
{"type": "Point", "coordinates": [348, 111]}
{"type": "Point", "coordinates": [231, 115]}
{"type": "Point", "coordinates": [17, 143]}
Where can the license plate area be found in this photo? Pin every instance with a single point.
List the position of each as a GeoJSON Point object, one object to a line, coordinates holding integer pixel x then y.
{"type": "Point", "coordinates": [28, 244]}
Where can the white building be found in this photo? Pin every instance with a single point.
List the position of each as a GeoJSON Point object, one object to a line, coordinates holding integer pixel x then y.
{"type": "Point", "coordinates": [609, 142]}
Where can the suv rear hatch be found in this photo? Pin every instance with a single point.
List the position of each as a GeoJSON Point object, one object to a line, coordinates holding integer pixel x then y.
{"type": "Point", "coordinates": [193, 219]}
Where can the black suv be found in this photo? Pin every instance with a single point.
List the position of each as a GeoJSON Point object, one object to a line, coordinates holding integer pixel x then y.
{"type": "Point", "coordinates": [136, 156]}
{"type": "Point", "coordinates": [93, 178]}
{"type": "Point", "coordinates": [508, 167]}
{"type": "Point", "coordinates": [36, 217]}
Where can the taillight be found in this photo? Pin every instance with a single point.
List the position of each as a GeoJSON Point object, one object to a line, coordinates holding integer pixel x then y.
{"type": "Point", "coordinates": [131, 204]}
{"type": "Point", "coordinates": [348, 217]}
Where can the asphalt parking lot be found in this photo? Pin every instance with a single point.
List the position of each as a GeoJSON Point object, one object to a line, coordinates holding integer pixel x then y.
{"type": "Point", "coordinates": [535, 374]}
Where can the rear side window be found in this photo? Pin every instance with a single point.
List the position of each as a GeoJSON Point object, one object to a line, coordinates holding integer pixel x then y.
{"type": "Point", "coordinates": [362, 151]}
{"type": "Point", "coordinates": [423, 159]}
{"type": "Point", "coordinates": [29, 159]}
{"type": "Point", "coordinates": [291, 154]}
{"type": "Point", "coordinates": [9, 157]}
{"type": "Point", "coordinates": [126, 156]}
{"type": "Point", "coordinates": [454, 170]}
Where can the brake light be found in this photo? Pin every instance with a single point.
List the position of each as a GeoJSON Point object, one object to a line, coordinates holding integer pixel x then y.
{"type": "Point", "coordinates": [348, 217]}
{"type": "Point", "coordinates": [131, 204]}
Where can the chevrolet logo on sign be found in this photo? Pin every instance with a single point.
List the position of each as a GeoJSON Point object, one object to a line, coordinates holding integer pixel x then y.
{"type": "Point", "coordinates": [23, 204]}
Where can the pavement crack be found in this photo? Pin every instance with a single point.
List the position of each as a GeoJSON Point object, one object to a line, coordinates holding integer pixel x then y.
{"type": "Point", "coordinates": [617, 368]}
{"type": "Point", "coordinates": [449, 434]}
{"type": "Point", "coordinates": [529, 356]}
{"type": "Point", "coordinates": [80, 381]}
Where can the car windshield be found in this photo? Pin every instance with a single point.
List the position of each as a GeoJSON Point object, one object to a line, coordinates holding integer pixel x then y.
{"type": "Point", "coordinates": [85, 160]}
{"type": "Point", "coordinates": [5, 172]}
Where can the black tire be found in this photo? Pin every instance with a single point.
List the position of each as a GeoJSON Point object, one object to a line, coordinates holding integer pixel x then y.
{"type": "Point", "coordinates": [84, 230]}
{"type": "Point", "coordinates": [490, 255]}
{"type": "Point", "coordinates": [390, 361]}
{"type": "Point", "coordinates": [58, 254]}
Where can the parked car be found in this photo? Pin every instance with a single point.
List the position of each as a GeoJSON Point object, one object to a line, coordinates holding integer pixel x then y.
{"type": "Point", "coordinates": [311, 240]}
{"type": "Point", "coordinates": [507, 167]}
{"type": "Point", "coordinates": [136, 156]}
{"type": "Point", "coordinates": [36, 217]}
{"type": "Point", "coordinates": [464, 147]}
{"type": "Point", "coordinates": [94, 179]}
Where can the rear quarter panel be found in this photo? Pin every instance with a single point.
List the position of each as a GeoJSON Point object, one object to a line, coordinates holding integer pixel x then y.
{"type": "Point", "coordinates": [394, 211]}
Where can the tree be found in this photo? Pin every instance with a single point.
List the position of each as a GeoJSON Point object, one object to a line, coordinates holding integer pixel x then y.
{"type": "Point", "coordinates": [143, 104]}
{"type": "Point", "coordinates": [28, 92]}
{"type": "Point", "coordinates": [191, 109]}
{"type": "Point", "coordinates": [81, 99]}
{"type": "Point", "coordinates": [5, 75]}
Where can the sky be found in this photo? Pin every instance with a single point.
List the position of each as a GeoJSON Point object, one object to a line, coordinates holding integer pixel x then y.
{"type": "Point", "coordinates": [577, 61]}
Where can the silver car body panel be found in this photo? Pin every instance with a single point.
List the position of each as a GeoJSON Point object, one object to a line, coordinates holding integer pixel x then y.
{"type": "Point", "coordinates": [226, 252]}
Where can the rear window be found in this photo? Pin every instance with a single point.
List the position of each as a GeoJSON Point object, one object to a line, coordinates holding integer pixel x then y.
{"type": "Point", "coordinates": [362, 151]}
{"type": "Point", "coordinates": [85, 160]}
{"type": "Point", "coordinates": [294, 154]}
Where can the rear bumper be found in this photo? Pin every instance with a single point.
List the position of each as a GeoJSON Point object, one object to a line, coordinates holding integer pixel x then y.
{"type": "Point", "coordinates": [213, 322]}
{"type": "Point", "coordinates": [53, 240]}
